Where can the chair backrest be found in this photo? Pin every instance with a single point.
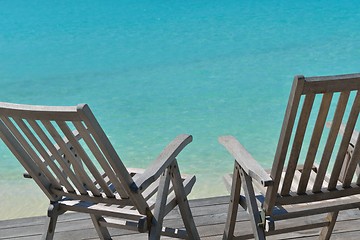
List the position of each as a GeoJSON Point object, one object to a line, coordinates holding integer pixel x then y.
{"type": "Point", "coordinates": [66, 152]}
{"type": "Point", "coordinates": [304, 139]}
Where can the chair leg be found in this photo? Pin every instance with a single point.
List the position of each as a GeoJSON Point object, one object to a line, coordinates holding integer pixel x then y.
{"type": "Point", "coordinates": [101, 231]}
{"type": "Point", "coordinates": [253, 210]}
{"type": "Point", "coordinates": [50, 223]}
{"type": "Point", "coordinates": [157, 220]}
{"type": "Point", "coordinates": [327, 230]}
{"type": "Point", "coordinates": [233, 205]}
{"type": "Point", "coordinates": [183, 203]}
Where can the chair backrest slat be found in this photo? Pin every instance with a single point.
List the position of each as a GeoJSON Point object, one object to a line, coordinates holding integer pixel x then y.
{"type": "Point", "coordinates": [26, 161]}
{"type": "Point", "coordinates": [45, 155]}
{"type": "Point", "coordinates": [315, 141]}
{"type": "Point", "coordinates": [108, 151]}
{"type": "Point", "coordinates": [351, 166]}
{"type": "Point", "coordinates": [358, 176]}
{"type": "Point", "coordinates": [113, 159]}
{"type": "Point", "coordinates": [349, 129]}
{"type": "Point", "coordinates": [75, 180]}
{"type": "Point", "coordinates": [85, 158]}
{"type": "Point", "coordinates": [282, 148]}
{"type": "Point", "coordinates": [84, 178]}
{"type": "Point", "coordinates": [330, 143]}
{"type": "Point", "coordinates": [101, 159]}
{"type": "Point", "coordinates": [297, 144]}
{"type": "Point", "coordinates": [35, 157]}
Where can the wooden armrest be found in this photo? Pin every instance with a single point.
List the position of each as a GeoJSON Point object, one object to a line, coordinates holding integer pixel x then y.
{"type": "Point", "coordinates": [166, 157]}
{"type": "Point", "coordinates": [246, 161]}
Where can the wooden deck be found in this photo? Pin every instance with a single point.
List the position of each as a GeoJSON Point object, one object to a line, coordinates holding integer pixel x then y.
{"type": "Point", "coordinates": [209, 215]}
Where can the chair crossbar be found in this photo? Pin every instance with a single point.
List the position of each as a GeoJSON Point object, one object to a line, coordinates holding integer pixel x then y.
{"type": "Point", "coordinates": [86, 160]}
{"type": "Point", "coordinates": [62, 162]}
{"type": "Point", "coordinates": [83, 177]}
{"type": "Point", "coordinates": [32, 154]}
{"type": "Point", "coordinates": [46, 156]}
{"type": "Point", "coordinates": [25, 160]}
{"type": "Point", "coordinates": [101, 159]}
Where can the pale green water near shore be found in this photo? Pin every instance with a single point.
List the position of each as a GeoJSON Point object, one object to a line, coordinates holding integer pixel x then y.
{"type": "Point", "coordinates": [151, 70]}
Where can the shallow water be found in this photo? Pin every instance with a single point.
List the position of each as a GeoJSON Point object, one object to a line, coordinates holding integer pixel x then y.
{"type": "Point", "coordinates": [151, 70]}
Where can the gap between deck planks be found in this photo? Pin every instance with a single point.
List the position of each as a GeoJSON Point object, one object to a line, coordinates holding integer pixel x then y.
{"type": "Point", "coordinates": [209, 215]}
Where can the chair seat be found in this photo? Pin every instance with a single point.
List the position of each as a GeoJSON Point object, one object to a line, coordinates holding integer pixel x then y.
{"type": "Point", "coordinates": [100, 209]}
{"type": "Point", "coordinates": [297, 205]}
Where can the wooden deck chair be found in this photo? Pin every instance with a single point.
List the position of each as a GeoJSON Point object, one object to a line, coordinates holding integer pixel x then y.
{"type": "Point", "coordinates": [69, 156]}
{"type": "Point", "coordinates": [314, 170]}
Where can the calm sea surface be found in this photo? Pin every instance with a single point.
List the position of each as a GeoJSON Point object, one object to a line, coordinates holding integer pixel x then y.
{"type": "Point", "coordinates": [151, 70]}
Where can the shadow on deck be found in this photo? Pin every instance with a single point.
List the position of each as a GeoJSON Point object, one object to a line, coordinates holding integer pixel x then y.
{"type": "Point", "coordinates": [209, 215]}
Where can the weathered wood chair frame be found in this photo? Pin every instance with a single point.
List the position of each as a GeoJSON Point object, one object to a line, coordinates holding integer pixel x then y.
{"type": "Point", "coordinates": [299, 190]}
{"type": "Point", "coordinates": [66, 152]}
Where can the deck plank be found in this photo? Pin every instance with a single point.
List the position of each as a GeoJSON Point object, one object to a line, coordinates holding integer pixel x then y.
{"type": "Point", "coordinates": [209, 215]}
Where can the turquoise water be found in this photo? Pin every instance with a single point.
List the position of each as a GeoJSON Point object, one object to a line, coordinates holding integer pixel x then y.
{"type": "Point", "coordinates": [151, 70]}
